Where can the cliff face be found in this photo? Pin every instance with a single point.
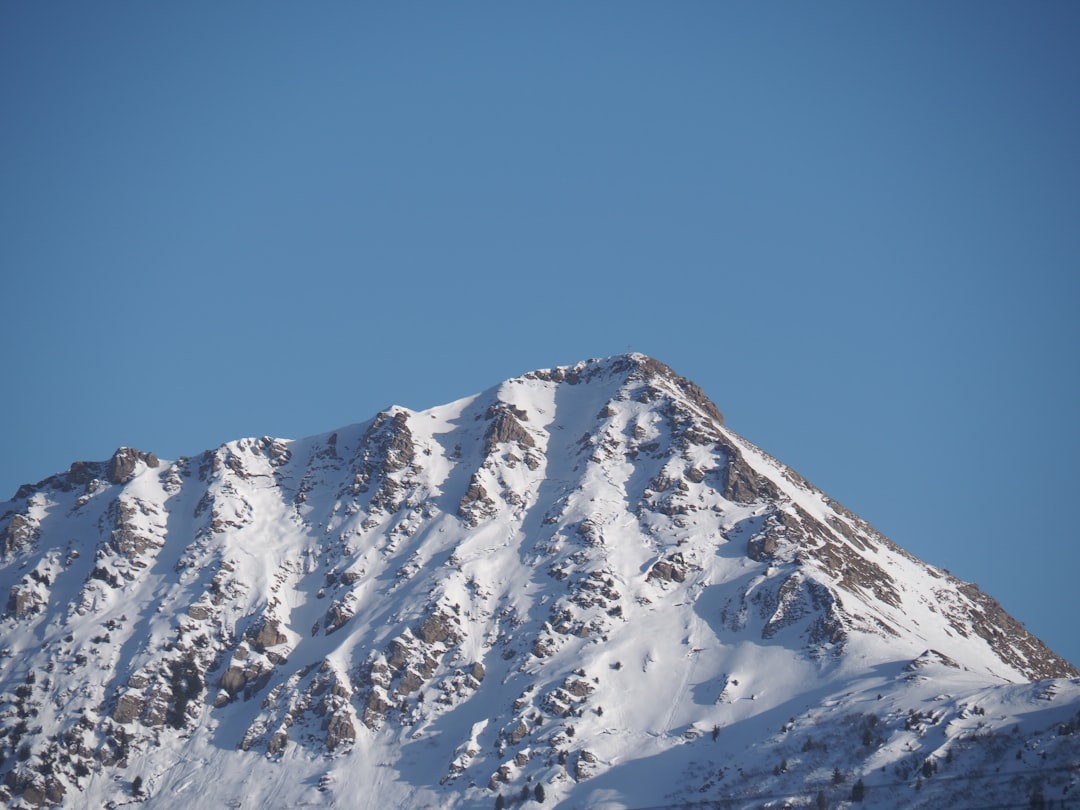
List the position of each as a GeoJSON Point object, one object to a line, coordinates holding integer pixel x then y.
{"type": "Point", "coordinates": [574, 578]}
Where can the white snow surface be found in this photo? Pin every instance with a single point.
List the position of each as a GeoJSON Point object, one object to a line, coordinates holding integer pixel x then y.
{"type": "Point", "coordinates": [558, 582]}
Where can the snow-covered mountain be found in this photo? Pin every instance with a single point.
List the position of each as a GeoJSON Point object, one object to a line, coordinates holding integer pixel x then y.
{"type": "Point", "coordinates": [578, 588]}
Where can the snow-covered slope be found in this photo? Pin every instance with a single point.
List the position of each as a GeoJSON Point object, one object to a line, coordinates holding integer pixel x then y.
{"type": "Point", "coordinates": [578, 585]}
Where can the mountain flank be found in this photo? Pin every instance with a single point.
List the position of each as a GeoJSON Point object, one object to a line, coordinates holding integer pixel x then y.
{"type": "Point", "coordinates": [578, 588]}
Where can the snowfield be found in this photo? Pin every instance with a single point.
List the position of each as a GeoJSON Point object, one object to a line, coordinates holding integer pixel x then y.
{"type": "Point", "coordinates": [579, 580]}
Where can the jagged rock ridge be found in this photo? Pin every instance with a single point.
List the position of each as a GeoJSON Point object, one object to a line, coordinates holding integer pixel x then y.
{"type": "Point", "coordinates": [484, 597]}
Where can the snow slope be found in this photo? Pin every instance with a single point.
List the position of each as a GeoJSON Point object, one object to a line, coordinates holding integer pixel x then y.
{"type": "Point", "coordinates": [579, 579]}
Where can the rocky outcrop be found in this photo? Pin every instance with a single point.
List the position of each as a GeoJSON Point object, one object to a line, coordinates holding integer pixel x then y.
{"type": "Point", "coordinates": [337, 615]}
{"type": "Point", "coordinates": [124, 462]}
{"type": "Point", "coordinates": [475, 504]}
{"type": "Point", "coordinates": [584, 767]}
{"type": "Point", "coordinates": [1008, 638]}
{"type": "Point", "coordinates": [244, 676]}
{"type": "Point", "coordinates": [84, 472]}
{"type": "Point", "coordinates": [20, 533]}
{"type": "Point", "coordinates": [387, 448]}
{"type": "Point", "coordinates": [505, 427]}
{"type": "Point", "coordinates": [649, 368]}
{"type": "Point", "coordinates": [35, 789]}
{"type": "Point", "coordinates": [671, 569]}
{"type": "Point", "coordinates": [742, 483]}
{"type": "Point", "coordinates": [266, 633]}
{"type": "Point", "coordinates": [339, 729]}
{"type": "Point", "coordinates": [440, 627]}
{"type": "Point", "coordinates": [25, 600]}
{"type": "Point", "coordinates": [130, 537]}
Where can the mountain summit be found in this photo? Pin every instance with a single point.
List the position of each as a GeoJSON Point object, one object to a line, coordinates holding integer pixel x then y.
{"type": "Point", "coordinates": [578, 588]}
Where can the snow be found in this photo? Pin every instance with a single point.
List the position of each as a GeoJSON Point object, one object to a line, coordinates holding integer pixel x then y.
{"type": "Point", "coordinates": [608, 683]}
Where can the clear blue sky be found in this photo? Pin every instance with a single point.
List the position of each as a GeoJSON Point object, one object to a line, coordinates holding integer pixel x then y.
{"type": "Point", "coordinates": [855, 225]}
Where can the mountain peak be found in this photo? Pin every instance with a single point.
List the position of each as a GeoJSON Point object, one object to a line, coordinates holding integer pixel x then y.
{"type": "Point", "coordinates": [629, 369]}
{"type": "Point", "coordinates": [574, 579]}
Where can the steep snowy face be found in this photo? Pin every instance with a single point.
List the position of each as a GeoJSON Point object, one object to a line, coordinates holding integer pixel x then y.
{"type": "Point", "coordinates": [580, 569]}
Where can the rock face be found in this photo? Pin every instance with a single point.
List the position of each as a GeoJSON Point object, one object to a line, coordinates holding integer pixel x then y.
{"type": "Point", "coordinates": [121, 468]}
{"type": "Point", "coordinates": [576, 577]}
{"type": "Point", "coordinates": [20, 533]}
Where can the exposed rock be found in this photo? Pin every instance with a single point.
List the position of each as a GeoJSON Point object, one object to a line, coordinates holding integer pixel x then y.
{"type": "Point", "coordinates": [278, 742]}
{"type": "Point", "coordinates": [410, 682]}
{"type": "Point", "coordinates": [266, 634]}
{"type": "Point", "coordinates": [20, 533]}
{"type": "Point", "coordinates": [583, 768]}
{"type": "Point", "coordinates": [129, 707]}
{"type": "Point", "coordinates": [122, 465]}
{"type": "Point", "coordinates": [761, 546]}
{"type": "Point", "coordinates": [671, 569]}
{"type": "Point", "coordinates": [930, 657]}
{"type": "Point", "coordinates": [375, 710]}
{"type": "Point", "coordinates": [543, 647]}
{"type": "Point", "coordinates": [386, 448]}
{"type": "Point", "coordinates": [128, 538]}
{"type": "Point", "coordinates": [505, 427]}
{"type": "Point", "coordinates": [475, 503]}
{"type": "Point", "coordinates": [277, 451]}
{"type": "Point", "coordinates": [351, 577]}
{"type": "Point", "coordinates": [83, 472]}
{"type": "Point", "coordinates": [336, 616]}
{"type": "Point", "coordinates": [1008, 638]}
{"type": "Point", "coordinates": [648, 367]}
{"type": "Point", "coordinates": [439, 627]}
{"type": "Point", "coordinates": [795, 598]}
{"type": "Point", "coordinates": [339, 729]}
{"type": "Point", "coordinates": [519, 733]}
{"type": "Point", "coordinates": [36, 790]}
{"type": "Point", "coordinates": [24, 600]}
{"type": "Point", "coordinates": [590, 532]}
{"type": "Point", "coordinates": [743, 484]}
{"type": "Point", "coordinates": [233, 680]}
{"type": "Point", "coordinates": [579, 688]}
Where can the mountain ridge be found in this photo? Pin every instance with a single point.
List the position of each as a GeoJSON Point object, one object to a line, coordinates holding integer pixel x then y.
{"type": "Point", "coordinates": [463, 593]}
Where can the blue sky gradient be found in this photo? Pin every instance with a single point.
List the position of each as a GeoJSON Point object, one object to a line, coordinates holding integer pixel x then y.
{"type": "Point", "coordinates": [856, 226]}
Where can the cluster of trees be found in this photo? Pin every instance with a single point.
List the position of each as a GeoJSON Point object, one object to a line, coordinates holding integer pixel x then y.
{"type": "Point", "coordinates": [537, 793]}
{"type": "Point", "coordinates": [858, 790]}
{"type": "Point", "coordinates": [187, 684]}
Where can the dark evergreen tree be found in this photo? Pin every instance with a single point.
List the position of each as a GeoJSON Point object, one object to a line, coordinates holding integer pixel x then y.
{"type": "Point", "coordinates": [186, 684]}
{"type": "Point", "coordinates": [500, 802]}
{"type": "Point", "coordinates": [538, 794]}
{"type": "Point", "coordinates": [820, 803]}
{"type": "Point", "coordinates": [858, 791]}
